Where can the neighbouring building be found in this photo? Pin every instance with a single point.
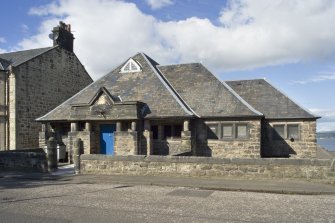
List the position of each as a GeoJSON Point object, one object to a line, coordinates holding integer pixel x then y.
{"type": "Point", "coordinates": [143, 108]}
{"type": "Point", "coordinates": [32, 82]}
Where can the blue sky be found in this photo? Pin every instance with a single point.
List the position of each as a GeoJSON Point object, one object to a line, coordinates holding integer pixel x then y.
{"type": "Point", "coordinates": [291, 43]}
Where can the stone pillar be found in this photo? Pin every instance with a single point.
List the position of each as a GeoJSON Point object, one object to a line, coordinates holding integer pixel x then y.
{"type": "Point", "coordinates": [88, 126]}
{"type": "Point", "coordinates": [74, 126]}
{"type": "Point", "coordinates": [148, 137]}
{"type": "Point", "coordinates": [71, 137]}
{"type": "Point", "coordinates": [12, 110]}
{"type": "Point", "coordinates": [52, 155]}
{"type": "Point", "coordinates": [118, 126]}
{"type": "Point", "coordinates": [43, 136]}
{"type": "Point", "coordinates": [133, 126]}
{"type": "Point", "coordinates": [186, 126]}
{"type": "Point", "coordinates": [77, 151]}
{"type": "Point", "coordinates": [186, 143]}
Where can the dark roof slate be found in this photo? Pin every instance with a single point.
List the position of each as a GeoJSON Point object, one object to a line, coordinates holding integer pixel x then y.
{"type": "Point", "coordinates": [204, 93]}
{"type": "Point", "coordinates": [267, 99]}
{"type": "Point", "coordinates": [145, 86]}
{"type": "Point", "coordinates": [4, 64]}
{"type": "Point", "coordinates": [19, 57]}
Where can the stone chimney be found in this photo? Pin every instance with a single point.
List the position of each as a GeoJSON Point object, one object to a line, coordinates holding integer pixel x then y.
{"type": "Point", "coordinates": [62, 36]}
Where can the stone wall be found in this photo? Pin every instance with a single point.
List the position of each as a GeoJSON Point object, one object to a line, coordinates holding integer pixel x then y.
{"type": "Point", "coordinates": [42, 84]}
{"type": "Point", "coordinates": [310, 169]}
{"type": "Point", "coordinates": [249, 147]}
{"type": "Point", "coordinates": [33, 160]}
{"type": "Point", "coordinates": [303, 147]}
{"type": "Point", "coordinates": [125, 143]}
{"type": "Point", "coordinates": [167, 147]}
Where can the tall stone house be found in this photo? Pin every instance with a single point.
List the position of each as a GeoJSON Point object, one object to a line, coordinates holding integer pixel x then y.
{"type": "Point", "coordinates": [32, 82]}
{"type": "Point", "coordinates": [143, 108]}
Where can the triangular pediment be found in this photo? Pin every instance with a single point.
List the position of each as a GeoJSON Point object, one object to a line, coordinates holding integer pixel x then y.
{"type": "Point", "coordinates": [102, 97]}
{"type": "Point", "coordinates": [131, 66]}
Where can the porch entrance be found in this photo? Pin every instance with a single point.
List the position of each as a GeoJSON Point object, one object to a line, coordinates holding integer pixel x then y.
{"type": "Point", "coordinates": [107, 138]}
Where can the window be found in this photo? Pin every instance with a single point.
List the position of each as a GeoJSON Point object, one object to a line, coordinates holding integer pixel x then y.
{"type": "Point", "coordinates": [241, 131]}
{"type": "Point", "coordinates": [227, 131]}
{"type": "Point", "coordinates": [286, 131]}
{"type": "Point", "coordinates": [131, 66]}
{"type": "Point", "coordinates": [293, 131]}
{"type": "Point", "coordinates": [279, 132]}
{"type": "Point", "coordinates": [212, 131]}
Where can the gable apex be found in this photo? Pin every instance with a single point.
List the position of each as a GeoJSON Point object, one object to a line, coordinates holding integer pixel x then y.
{"type": "Point", "coordinates": [102, 97]}
{"type": "Point", "coordinates": [131, 66]}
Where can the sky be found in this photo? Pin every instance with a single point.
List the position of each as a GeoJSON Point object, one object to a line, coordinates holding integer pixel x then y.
{"type": "Point", "coordinates": [290, 43]}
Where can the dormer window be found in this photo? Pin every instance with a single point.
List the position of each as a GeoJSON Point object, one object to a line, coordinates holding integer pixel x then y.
{"type": "Point", "coordinates": [131, 66]}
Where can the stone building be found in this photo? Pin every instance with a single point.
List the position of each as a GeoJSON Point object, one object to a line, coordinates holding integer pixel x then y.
{"type": "Point", "coordinates": [143, 108]}
{"type": "Point", "coordinates": [32, 82]}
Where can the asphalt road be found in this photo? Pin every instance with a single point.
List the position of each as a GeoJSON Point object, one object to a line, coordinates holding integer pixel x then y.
{"type": "Point", "coordinates": [68, 200]}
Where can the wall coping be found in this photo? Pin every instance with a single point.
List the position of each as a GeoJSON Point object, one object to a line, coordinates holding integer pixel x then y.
{"type": "Point", "coordinates": [210, 160]}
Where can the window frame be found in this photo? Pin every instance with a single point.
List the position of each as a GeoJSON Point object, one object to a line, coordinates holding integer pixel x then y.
{"type": "Point", "coordinates": [220, 125]}
{"type": "Point", "coordinates": [286, 131]}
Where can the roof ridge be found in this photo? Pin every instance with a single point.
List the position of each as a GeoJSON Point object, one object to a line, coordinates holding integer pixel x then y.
{"type": "Point", "coordinates": [47, 49]}
{"type": "Point", "coordinates": [179, 64]}
{"type": "Point", "coordinates": [19, 51]}
{"type": "Point", "coordinates": [256, 79]}
{"type": "Point", "coordinates": [169, 87]}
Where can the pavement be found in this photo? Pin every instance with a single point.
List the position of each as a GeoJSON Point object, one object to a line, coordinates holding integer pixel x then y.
{"type": "Point", "coordinates": [278, 186]}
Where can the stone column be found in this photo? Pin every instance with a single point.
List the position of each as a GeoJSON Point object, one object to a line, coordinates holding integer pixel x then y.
{"type": "Point", "coordinates": [88, 126]}
{"type": "Point", "coordinates": [88, 138]}
{"type": "Point", "coordinates": [148, 137]}
{"type": "Point", "coordinates": [74, 126]}
{"type": "Point", "coordinates": [133, 126]}
{"type": "Point", "coordinates": [43, 136]}
{"type": "Point", "coordinates": [71, 137]}
{"type": "Point", "coordinates": [77, 151]}
{"type": "Point", "coordinates": [118, 126]}
{"type": "Point", "coordinates": [186, 143]}
{"type": "Point", "coordinates": [52, 155]}
{"type": "Point", "coordinates": [12, 109]}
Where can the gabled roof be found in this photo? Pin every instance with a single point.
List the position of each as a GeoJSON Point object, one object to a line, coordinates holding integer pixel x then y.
{"type": "Point", "coordinates": [19, 57]}
{"type": "Point", "coordinates": [146, 86]}
{"type": "Point", "coordinates": [4, 64]}
{"type": "Point", "coordinates": [204, 93]}
{"type": "Point", "coordinates": [267, 99]}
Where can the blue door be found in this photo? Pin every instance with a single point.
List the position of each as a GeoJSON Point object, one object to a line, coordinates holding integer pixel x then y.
{"type": "Point", "coordinates": [107, 139]}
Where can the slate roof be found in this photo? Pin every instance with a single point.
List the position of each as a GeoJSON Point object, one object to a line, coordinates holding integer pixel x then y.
{"type": "Point", "coordinates": [185, 90]}
{"type": "Point", "coordinates": [205, 93]}
{"type": "Point", "coordinates": [4, 64]}
{"type": "Point", "coordinates": [19, 57]}
{"type": "Point", "coordinates": [146, 86]}
{"type": "Point", "coordinates": [267, 99]}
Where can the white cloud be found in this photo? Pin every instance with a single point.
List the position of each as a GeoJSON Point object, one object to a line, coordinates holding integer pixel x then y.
{"type": "Point", "coordinates": [251, 34]}
{"type": "Point", "coordinates": [327, 120]}
{"type": "Point", "coordinates": [157, 4]}
{"type": "Point", "coordinates": [328, 75]}
{"type": "Point", "coordinates": [2, 40]}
